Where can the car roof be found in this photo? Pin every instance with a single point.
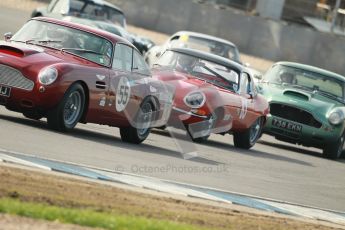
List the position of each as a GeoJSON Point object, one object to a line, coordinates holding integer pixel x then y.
{"type": "Point", "coordinates": [109, 36]}
{"type": "Point", "coordinates": [89, 22]}
{"type": "Point", "coordinates": [102, 2]}
{"type": "Point", "coordinates": [204, 36]}
{"type": "Point", "coordinates": [209, 57]}
{"type": "Point", "coordinates": [311, 69]}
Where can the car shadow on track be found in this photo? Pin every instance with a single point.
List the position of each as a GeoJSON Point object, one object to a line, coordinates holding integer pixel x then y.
{"type": "Point", "coordinates": [252, 152]}
{"type": "Point", "coordinates": [108, 139]}
{"type": "Point", "coordinates": [144, 147]}
{"type": "Point", "coordinates": [297, 150]}
{"type": "Point", "coordinates": [255, 153]}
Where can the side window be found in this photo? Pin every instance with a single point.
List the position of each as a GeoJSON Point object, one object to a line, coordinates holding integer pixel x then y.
{"type": "Point", "coordinates": [139, 65]}
{"type": "Point", "coordinates": [245, 87]}
{"type": "Point", "coordinates": [128, 55]}
{"type": "Point", "coordinates": [123, 57]}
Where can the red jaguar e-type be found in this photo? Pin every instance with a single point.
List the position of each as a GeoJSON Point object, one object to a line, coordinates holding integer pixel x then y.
{"type": "Point", "coordinates": [212, 95]}
{"type": "Point", "coordinates": [70, 73]}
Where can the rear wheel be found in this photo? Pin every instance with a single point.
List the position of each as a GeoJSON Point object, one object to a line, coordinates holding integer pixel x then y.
{"type": "Point", "coordinates": [134, 135]}
{"type": "Point", "coordinates": [68, 112]}
{"type": "Point", "coordinates": [334, 150]}
{"type": "Point", "coordinates": [247, 139]}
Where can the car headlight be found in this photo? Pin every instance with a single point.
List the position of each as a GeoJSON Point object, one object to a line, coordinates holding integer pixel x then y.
{"type": "Point", "coordinates": [47, 76]}
{"type": "Point", "coordinates": [195, 99]}
{"type": "Point", "coordinates": [336, 117]}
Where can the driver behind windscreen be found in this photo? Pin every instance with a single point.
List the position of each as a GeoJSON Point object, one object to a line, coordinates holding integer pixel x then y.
{"type": "Point", "coordinates": [219, 50]}
{"type": "Point", "coordinates": [186, 63]}
{"type": "Point", "coordinates": [287, 77]}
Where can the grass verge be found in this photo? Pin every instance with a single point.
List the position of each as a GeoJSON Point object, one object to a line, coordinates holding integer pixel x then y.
{"type": "Point", "coordinates": [95, 201]}
{"type": "Point", "coordinates": [86, 217]}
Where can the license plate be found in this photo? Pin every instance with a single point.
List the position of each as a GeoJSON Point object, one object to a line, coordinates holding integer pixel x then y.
{"type": "Point", "coordinates": [287, 125]}
{"type": "Point", "coordinates": [5, 91]}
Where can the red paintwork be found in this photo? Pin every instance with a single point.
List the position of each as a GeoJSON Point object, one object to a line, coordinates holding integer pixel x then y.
{"type": "Point", "coordinates": [30, 59]}
{"type": "Point", "coordinates": [216, 97]}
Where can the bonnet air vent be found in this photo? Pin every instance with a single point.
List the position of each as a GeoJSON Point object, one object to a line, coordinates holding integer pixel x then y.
{"type": "Point", "coordinates": [11, 51]}
{"type": "Point", "coordinates": [296, 94]}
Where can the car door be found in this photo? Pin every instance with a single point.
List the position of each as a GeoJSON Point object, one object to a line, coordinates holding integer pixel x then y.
{"type": "Point", "coordinates": [246, 112]}
{"type": "Point", "coordinates": [119, 92]}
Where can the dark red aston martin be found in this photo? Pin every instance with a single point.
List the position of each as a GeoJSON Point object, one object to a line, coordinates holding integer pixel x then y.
{"type": "Point", "coordinates": [70, 73]}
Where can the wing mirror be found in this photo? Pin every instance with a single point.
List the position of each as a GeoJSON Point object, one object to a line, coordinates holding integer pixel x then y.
{"type": "Point", "coordinates": [8, 36]}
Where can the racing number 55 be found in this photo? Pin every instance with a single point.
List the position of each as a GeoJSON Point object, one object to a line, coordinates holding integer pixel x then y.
{"type": "Point", "coordinates": [124, 94]}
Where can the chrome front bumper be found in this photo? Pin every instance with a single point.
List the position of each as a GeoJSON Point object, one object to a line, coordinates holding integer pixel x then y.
{"type": "Point", "coordinates": [189, 113]}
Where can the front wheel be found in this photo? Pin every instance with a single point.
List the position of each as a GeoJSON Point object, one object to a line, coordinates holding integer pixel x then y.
{"type": "Point", "coordinates": [247, 139]}
{"type": "Point", "coordinates": [137, 135]}
{"type": "Point", "coordinates": [334, 151]}
{"type": "Point", "coordinates": [68, 112]}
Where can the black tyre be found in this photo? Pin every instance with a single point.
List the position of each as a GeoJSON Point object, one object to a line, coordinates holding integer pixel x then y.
{"type": "Point", "coordinates": [201, 139]}
{"type": "Point", "coordinates": [334, 151]}
{"type": "Point", "coordinates": [134, 135]}
{"type": "Point", "coordinates": [66, 115]}
{"type": "Point", "coordinates": [247, 139]}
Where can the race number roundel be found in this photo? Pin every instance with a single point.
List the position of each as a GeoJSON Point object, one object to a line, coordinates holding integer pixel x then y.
{"type": "Point", "coordinates": [123, 94]}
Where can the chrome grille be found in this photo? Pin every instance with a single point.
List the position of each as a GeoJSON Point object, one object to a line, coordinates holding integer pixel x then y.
{"type": "Point", "coordinates": [14, 78]}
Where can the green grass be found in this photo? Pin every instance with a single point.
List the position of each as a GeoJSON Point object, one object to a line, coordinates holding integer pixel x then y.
{"type": "Point", "coordinates": [85, 217]}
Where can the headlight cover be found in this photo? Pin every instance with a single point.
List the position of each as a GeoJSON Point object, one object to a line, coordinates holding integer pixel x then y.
{"type": "Point", "coordinates": [195, 100]}
{"type": "Point", "coordinates": [336, 117]}
{"type": "Point", "coordinates": [47, 76]}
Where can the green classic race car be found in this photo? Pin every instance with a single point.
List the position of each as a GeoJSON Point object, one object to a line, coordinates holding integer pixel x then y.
{"type": "Point", "coordinates": [307, 106]}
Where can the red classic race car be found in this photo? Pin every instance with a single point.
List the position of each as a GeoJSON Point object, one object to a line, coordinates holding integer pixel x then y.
{"type": "Point", "coordinates": [212, 95]}
{"type": "Point", "coordinates": [70, 73]}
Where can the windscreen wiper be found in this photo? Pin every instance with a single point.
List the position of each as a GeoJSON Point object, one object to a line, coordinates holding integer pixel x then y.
{"type": "Point", "coordinates": [80, 50]}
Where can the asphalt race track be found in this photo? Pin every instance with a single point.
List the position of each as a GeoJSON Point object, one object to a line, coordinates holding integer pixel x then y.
{"type": "Point", "coordinates": [271, 169]}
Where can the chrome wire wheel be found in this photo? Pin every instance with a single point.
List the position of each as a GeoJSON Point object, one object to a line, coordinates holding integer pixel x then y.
{"type": "Point", "coordinates": [255, 130]}
{"type": "Point", "coordinates": [146, 113]}
{"type": "Point", "coordinates": [72, 108]}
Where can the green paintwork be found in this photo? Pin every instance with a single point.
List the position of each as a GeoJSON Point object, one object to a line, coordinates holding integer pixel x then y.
{"type": "Point", "coordinates": [318, 105]}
